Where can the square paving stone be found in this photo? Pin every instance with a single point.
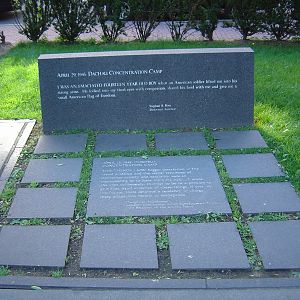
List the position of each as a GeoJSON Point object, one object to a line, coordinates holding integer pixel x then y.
{"type": "Point", "coordinates": [252, 165]}
{"type": "Point", "coordinates": [206, 246]}
{"type": "Point", "coordinates": [43, 203]}
{"type": "Point", "coordinates": [32, 246]}
{"type": "Point", "coordinates": [180, 141]}
{"type": "Point", "coordinates": [53, 170]}
{"type": "Point", "coordinates": [61, 143]}
{"type": "Point", "coordinates": [127, 246]}
{"type": "Point", "coordinates": [158, 186]}
{"type": "Point", "coordinates": [267, 197]}
{"type": "Point", "coordinates": [120, 142]}
{"type": "Point", "coordinates": [239, 139]}
{"type": "Point", "coordinates": [278, 243]}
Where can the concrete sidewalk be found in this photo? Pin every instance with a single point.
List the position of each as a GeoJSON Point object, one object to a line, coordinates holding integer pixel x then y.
{"type": "Point", "coordinates": [13, 137]}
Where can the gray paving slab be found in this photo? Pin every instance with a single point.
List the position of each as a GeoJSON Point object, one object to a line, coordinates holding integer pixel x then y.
{"type": "Point", "coordinates": [180, 141]}
{"type": "Point", "coordinates": [149, 294]}
{"type": "Point", "coordinates": [278, 243]}
{"type": "Point", "coordinates": [267, 197]}
{"type": "Point", "coordinates": [61, 143]}
{"type": "Point", "coordinates": [44, 246]}
{"type": "Point", "coordinates": [178, 185]}
{"type": "Point", "coordinates": [206, 246]}
{"type": "Point", "coordinates": [120, 142]}
{"type": "Point", "coordinates": [252, 165]}
{"type": "Point", "coordinates": [58, 203]}
{"type": "Point", "coordinates": [126, 246]}
{"type": "Point", "coordinates": [239, 139]}
{"type": "Point", "coordinates": [53, 170]}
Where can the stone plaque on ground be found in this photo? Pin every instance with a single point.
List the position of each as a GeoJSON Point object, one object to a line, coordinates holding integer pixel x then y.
{"type": "Point", "coordinates": [44, 246]}
{"type": "Point", "coordinates": [270, 197]}
{"type": "Point", "coordinates": [61, 143]}
{"type": "Point", "coordinates": [58, 203]}
{"type": "Point", "coordinates": [278, 243]}
{"type": "Point", "coordinates": [252, 165]}
{"type": "Point", "coordinates": [53, 170]}
{"type": "Point", "coordinates": [206, 246]}
{"type": "Point", "coordinates": [120, 142]}
{"type": "Point", "coordinates": [239, 139]}
{"type": "Point", "coordinates": [176, 185]}
{"type": "Point", "coordinates": [180, 141]}
{"type": "Point", "coordinates": [147, 89]}
{"type": "Point", "coordinates": [126, 246]}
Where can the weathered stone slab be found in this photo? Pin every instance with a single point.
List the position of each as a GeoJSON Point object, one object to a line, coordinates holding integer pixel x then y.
{"type": "Point", "coordinates": [206, 246]}
{"type": "Point", "coordinates": [58, 203]}
{"type": "Point", "coordinates": [61, 143]}
{"type": "Point", "coordinates": [53, 170]}
{"type": "Point", "coordinates": [126, 246]}
{"type": "Point", "coordinates": [252, 165]}
{"type": "Point", "coordinates": [278, 243]}
{"type": "Point", "coordinates": [120, 142]}
{"type": "Point", "coordinates": [180, 141]}
{"type": "Point", "coordinates": [239, 139]}
{"type": "Point", "coordinates": [267, 197]}
{"type": "Point", "coordinates": [178, 185]}
{"type": "Point", "coordinates": [174, 88]}
{"type": "Point", "coordinates": [44, 246]}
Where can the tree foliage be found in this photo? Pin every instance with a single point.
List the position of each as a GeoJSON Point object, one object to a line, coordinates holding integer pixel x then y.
{"type": "Point", "coordinates": [36, 17]}
{"type": "Point", "coordinates": [73, 17]}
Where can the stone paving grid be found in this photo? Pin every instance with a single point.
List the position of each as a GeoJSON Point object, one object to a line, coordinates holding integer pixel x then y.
{"type": "Point", "coordinates": [180, 141]}
{"type": "Point", "coordinates": [256, 198]}
{"type": "Point", "coordinates": [251, 165]}
{"type": "Point", "coordinates": [278, 243]}
{"type": "Point", "coordinates": [56, 203]}
{"type": "Point", "coordinates": [44, 246]}
{"type": "Point", "coordinates": [206, 246]}
{"type": "Point", "coordinates": [57, 170]}
{"type": "Point", "coordinates": [199, 267]}
{"type": "Point", "coordinates": [128, 246]}
{"type": "Point", "coordinates": [61, 143]}
{"type": "Point", "coordinates": [239, 139]}
{"type": "Point", "coordinates": [120, 142]}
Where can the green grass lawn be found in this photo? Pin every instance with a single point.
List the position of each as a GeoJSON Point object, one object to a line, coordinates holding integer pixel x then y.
{"type": "Point", "coordinates": [277, 88]}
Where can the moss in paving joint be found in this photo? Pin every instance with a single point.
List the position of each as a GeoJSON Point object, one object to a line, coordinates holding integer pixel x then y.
{"type": "Point", "coordinates": [85, 176]}
{"type": "Point", "coordinates": [4, 271]}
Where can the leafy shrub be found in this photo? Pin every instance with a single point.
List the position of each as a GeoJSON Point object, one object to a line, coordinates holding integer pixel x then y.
{"type": "Point", "coordinates": [111, 15]}
{"type": "Point", "coordinates": [36, 17]}
{"type": "Point", "coordinates": [246, 16]}
{"type": "Point", "coordinates": [280, 19]}
{"type": "Point", "coordinates": [73, 17]}
{"type": "Point", "coordinates": [145, 15]}
{"type": "Point", "coordinates": [181, 17]}
{"type": "Point", "coordinates": [208, 18]}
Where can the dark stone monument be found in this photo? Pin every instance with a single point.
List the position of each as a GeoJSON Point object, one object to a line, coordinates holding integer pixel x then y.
{"type": "Point", "coordinates": [158, 186]}
{"type": "Point", "coordinates": [147, 89]}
